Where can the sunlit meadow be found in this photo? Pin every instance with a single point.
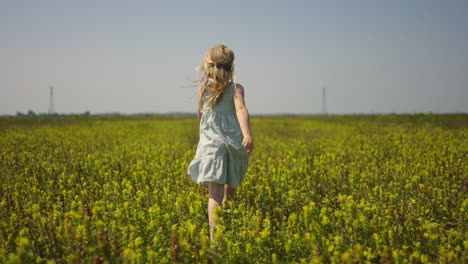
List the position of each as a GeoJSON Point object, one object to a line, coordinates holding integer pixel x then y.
{"type": "Point", "coordinates": [340, 189]}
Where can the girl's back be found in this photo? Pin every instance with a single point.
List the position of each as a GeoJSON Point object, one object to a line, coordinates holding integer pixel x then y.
{"type": "Point", "coordinates": [225, 105]}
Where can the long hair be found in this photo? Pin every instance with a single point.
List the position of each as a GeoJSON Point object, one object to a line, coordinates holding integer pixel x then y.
{"type": "Point", "coordinates": [215, 73]}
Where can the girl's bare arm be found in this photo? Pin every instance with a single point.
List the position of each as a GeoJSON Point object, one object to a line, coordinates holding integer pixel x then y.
{"type": "Point", "coordinates": [243, 117]}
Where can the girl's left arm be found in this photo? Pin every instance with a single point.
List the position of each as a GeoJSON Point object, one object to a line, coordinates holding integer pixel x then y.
{"type": "Point", "coordinates": [243, 117]}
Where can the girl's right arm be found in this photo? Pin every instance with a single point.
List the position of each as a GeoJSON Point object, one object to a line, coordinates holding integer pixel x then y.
{"type": "Point", "coordinates": [243, 117]}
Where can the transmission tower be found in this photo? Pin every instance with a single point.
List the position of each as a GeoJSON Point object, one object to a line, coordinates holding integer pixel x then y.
{"type": "Point", "coordinates": [324, 101]}
{"type": "Point", "coordinates": [51, 101]}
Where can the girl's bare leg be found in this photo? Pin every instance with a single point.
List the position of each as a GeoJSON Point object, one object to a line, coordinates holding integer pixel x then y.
{"type": "Point", "coordinates": [228, 193]}
{"type": "Point", "coordinates": [216, 192]}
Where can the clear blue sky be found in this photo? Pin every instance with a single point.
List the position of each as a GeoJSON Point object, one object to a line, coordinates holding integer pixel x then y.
{"type": "Point", "coordinates": [139, 56]}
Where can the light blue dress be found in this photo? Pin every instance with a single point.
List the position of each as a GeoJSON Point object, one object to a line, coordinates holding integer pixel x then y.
{"type": "Point", "coordinates": [220, 156]}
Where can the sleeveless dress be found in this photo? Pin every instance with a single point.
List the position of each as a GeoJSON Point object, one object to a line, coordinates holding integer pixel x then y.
{"type": "Point", "coordinates": [220, 156]}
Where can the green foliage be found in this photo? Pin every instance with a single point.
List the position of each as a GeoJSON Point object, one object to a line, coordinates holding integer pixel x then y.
{"type": "Point", "coordinates": [318, 189]}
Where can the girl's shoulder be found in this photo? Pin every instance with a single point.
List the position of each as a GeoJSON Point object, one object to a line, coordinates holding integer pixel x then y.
{"type": "Point", "coordinates": [238, 87]}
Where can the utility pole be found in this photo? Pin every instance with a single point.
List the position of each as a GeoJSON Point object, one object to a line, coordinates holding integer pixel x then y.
{"type": "Point", "coordinates": [51, 101]}
{"type": "Point", "coordinates": [324, 101]}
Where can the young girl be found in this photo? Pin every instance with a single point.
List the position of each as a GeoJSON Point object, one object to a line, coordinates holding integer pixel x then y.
{"type": "Point", "coordinates": [226, 140]}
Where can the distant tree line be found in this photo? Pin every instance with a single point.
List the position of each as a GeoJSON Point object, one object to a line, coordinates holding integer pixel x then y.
{"type": "Point", "coordinates": [31, 113]}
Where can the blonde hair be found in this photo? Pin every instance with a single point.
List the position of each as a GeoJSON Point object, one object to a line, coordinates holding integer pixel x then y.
{"type": "Point", "coordinates": [215, 73]}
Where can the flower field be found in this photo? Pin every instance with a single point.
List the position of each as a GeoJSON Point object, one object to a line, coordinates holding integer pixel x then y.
{"type": "Point", "coordinates": [339, 189]}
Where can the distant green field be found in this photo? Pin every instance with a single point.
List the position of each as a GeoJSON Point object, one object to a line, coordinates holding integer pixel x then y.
{"type": "Point", "coordinates": [342, 189]}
